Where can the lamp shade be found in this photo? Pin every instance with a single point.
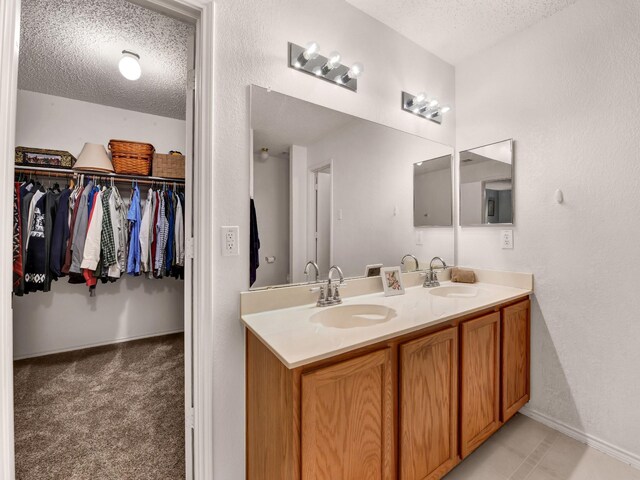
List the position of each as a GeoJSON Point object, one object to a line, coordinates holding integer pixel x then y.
{"type": "Point", "coordinates": [93, 158]}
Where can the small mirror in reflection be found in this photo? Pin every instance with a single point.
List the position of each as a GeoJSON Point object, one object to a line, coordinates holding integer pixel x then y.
{"type": "Point", "coordinates": [486, 185]}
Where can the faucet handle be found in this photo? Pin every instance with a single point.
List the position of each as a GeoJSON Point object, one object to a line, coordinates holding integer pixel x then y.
{"type": "Point", "coordinates": [336, 295]}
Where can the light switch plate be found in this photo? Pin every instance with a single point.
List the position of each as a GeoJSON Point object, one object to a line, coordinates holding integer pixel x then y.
{"type": "Point", "coordinates": [230, 247]}
{"type": "Point", "coordinates": [506, 239]}
{"type": "Point", "coordinates": [419, 238]}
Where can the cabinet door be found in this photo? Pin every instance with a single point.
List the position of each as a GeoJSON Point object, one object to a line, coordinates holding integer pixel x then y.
{"type": "Point", "coordinates": [480, 381]}
{"type": "Point", "coordinates": [515, 358]}
{"type": "Point", "coordinates": [347, 420]}
{"type": "Point", "coordinates": [429, 406]}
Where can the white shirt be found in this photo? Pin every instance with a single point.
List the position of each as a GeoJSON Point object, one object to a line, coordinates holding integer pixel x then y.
{"type": "Point", "coordinates": [91, 254]}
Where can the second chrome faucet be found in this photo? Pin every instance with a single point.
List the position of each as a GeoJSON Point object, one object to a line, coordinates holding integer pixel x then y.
{"type": "Point", "coordinates": [331, 296]}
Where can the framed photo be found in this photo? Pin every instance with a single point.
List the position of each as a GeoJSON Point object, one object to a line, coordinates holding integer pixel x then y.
{"type": "Point", "coordinates": [373, 270]}
{"type": "Point", "coordinates": [38, 157]}
{"type": "Point", "coordinates": [392, 281]}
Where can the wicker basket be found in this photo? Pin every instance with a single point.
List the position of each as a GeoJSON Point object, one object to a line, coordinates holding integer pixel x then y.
{"type": "Point", "coordinates": [131, 158]}
{"type": "Point", "coordinates": [168, 165]}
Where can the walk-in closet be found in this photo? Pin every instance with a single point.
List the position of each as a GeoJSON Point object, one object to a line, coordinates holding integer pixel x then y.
{"type": "Point", "coordinates": [102, 193]}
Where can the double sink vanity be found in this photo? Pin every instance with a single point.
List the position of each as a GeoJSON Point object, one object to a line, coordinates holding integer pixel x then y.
{"type": "Point", "coordinates": [343, 382]}
{"type": "Point", "coordinates": [382, 387]}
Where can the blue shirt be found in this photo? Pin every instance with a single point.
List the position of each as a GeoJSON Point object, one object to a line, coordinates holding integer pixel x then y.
{"type": "Point", "coordinates": [133, 260]}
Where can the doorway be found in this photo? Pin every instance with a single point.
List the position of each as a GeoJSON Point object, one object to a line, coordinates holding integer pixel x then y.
{"type": "Point", "coordinates": [197, 114]}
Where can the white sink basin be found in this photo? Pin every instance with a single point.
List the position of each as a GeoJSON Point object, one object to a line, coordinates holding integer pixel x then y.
{"type": "Point", "coordinates": [353, 316]}
{"type": "Point", "coordinates": [455, 291]}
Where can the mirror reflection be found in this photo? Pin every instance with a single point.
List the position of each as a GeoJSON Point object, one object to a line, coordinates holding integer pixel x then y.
{"type": "Point", "coordinates": [486, 184]}
{"type": "Point", "coordinates": [433, 193]}
{"type": "Point", "coordinates": [333, 189]}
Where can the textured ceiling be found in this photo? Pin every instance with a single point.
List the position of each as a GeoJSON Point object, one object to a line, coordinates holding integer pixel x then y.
{"type": "Point", "coordinates": [71, 48]}
{"type": "Point", "coordinates": [456, 29]}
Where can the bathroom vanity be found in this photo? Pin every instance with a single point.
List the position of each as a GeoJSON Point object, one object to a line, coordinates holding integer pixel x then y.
{"type": "Point", "coordinates": [382, 387]}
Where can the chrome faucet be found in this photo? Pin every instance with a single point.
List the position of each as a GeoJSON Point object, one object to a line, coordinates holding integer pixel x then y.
{"type": "Point", "coordinates": [431, 280]}
{"type": "Point", "coordinates": [414, 259]}
{"type": "Point", "coordinates": [315, 266]}
{"type": "Point", "coordinates": [332, 295]}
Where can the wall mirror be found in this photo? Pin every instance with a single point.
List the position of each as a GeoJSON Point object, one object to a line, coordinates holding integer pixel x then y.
{"type": "Point", "coordinates": [433, 192]}
{"type": "Point", "coordinates": [486, 185]}
{"type": "Point", "coordinates": [334, 189]}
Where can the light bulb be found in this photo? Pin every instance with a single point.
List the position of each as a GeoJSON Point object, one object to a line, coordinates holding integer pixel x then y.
{"type": "Point", "coordinates": [418, 100]}
{"type": "Point", "coordinates": [334, 60]}
{"type": "Point", "coordinates": [129, 65]}
{"type": "Point", "coordinates": [433, 103]}
{"type": "Point", "coordinates": [356, 70]}
{"type": "Point", "coordinates": [311, 51]}
{"type": "Point", "coordinates": [317, 71]}
{"type": "Point", "coordinates": [418, 164]}
{"type": "Point", "coordinates": [264, 153]}
{"type": "Point", "coordinates": [445, 109]}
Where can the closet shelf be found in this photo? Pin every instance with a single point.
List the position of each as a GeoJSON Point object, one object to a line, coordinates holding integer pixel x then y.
{"type": "Point", "coordinates": [68, 173]}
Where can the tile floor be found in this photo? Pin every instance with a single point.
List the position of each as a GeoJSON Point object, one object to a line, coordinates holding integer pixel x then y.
{"type": "Point", "coordinates": [527, 450]}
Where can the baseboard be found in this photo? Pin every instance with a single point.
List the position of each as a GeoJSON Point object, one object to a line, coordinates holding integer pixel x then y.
{"type": "Point", "coordinates": [601, 445]}
{"type": "Point", "coordinates": [99, 344]}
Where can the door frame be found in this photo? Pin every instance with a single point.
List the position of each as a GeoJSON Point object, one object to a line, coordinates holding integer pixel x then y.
{"type": "Point", "coordinates": [312, 209]}
{"type": "Point", "coordinates": [198, 232]}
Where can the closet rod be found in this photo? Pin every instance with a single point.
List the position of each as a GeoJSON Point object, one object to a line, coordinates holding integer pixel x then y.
{"type": "Point", "coordinates": [68, 173]}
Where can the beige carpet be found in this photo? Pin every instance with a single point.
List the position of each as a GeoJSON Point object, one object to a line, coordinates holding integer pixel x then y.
{"type": "Point", "coordinates": [114, 412]}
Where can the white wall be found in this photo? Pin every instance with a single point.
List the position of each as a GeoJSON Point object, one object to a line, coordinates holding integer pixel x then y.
{"type": "Point", "coordinates": [373, 187]}
{"type": "Point", "coordinates": [251, 48]}
{"type": "Point", "coordinates": [46, 121]}
{"type": "Point", "coordinates": [298, 207]}
{"type": "Point", "coordinates": [567, 91]}
{"type": "Point", "coordinates": [67, 318]}
{"type": "Point", "coordinates": [271, 197]}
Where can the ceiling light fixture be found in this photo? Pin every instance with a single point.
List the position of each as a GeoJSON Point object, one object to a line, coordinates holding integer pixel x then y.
{"type": "Point", "coordinates": [264, 153]}
{"type": "Point", "coordinates": [422, 106]}
{"type": "Point", "coordinates": [308, 60]}
{"type": "Point", "coordinates": [129, 65]}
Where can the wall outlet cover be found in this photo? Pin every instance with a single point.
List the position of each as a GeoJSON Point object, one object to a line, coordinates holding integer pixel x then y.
{"type": "Point", "coordinates": [506, 239]}
{"type": "Point", "coordinates": [229, 241]}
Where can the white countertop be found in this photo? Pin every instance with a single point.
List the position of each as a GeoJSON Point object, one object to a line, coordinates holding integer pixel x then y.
{"type": "Point", "coordinates": [296, 340]}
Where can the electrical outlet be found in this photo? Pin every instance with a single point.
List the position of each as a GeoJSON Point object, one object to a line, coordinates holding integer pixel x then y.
{"type": "Point", "coordinates": [230, 246]}
{"type": "Point", "coordinates": [506, 239]}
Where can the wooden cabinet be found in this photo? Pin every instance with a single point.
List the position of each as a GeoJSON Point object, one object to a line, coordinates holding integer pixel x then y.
{"type": "Point", "coordinates": [515, 358]}
{"type": "Point", "coordinates": [407, 408]}
{"type": "Point", "coordinates": [429, 406]}
{"type": "Point", "coordinates": [479, 381]}
{"type": "Point", "coordinates": [347, 420]}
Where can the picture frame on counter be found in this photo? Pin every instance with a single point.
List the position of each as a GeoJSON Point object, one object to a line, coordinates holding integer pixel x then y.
{"type": "Point", "coordinates": [39, 157]}
{"type": "Point", "coordinates": [392, 281]}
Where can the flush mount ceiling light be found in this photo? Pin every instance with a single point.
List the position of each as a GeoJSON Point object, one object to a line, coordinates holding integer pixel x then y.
{"type": "Point", "coordinates": [308, 60]}
{"type": "Point", "coordinates": [129, 65]}
{"type": "Point", "coordinates": [424, 106]}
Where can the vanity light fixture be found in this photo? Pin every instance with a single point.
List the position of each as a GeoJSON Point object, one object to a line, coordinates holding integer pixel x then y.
{"type": "Point", "coordinates": [423, 106]}
{"type": "Point", "coordinates": [129, 65]}
{"type": "Point", "coordinates": [308, 60]}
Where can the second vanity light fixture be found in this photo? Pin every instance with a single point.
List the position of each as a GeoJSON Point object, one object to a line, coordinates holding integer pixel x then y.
{"type": "Point", "coordinates": [423, 106]}
{"type": "Point", "coordinates": [307, 59]}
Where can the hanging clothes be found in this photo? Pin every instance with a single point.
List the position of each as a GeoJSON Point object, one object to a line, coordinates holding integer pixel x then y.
{"type": "Point", "coordinates": [133, 262]}
{"type": "Point", "coordinates": [35, 268]}
{"type": "Point", "coordinates": [145, 231]}
{"type": "Point", "coordinates": [52, 198]}
{"type": "Point", "coordinates": [254, 245]}
{"type": "Point", "coordinates": [162, 229]}
{"type": "Point", "coordinates": [80, 229]}
{"type": "Point", "coordinates": [60, 235]}
{"type": "Point", "coordinates": [18, 272]}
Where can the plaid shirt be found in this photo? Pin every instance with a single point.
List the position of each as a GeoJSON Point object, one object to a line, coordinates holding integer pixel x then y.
{"type": "Point", "coordinates": [107, 242]}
